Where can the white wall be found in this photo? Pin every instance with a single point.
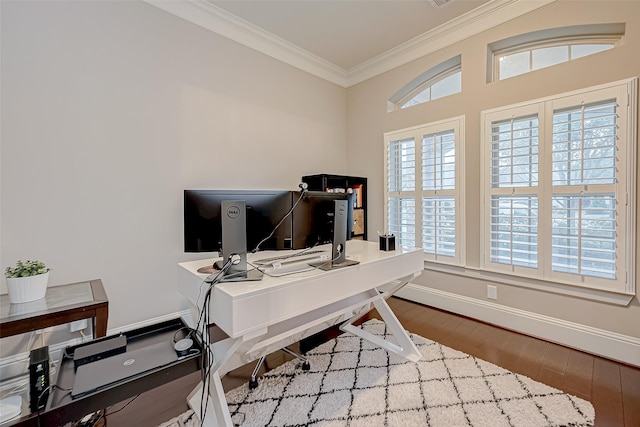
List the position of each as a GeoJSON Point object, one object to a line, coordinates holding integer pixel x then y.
{"type": "Point", "coordinates": [466, 292]}
{"type": "Point", "coordinates": [110, 110]}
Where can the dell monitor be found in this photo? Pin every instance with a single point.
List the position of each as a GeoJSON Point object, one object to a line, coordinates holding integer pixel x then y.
{"type": "Point", "coordinates": [236, 222]}
{"type": "Point", "coordinates": [339, 231]}
{"type": "Point", "coordinates": [264, 210]}
{"type": "Point", "coordinates": [313, 218]}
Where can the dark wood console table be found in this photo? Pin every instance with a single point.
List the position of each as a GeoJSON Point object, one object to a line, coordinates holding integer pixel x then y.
{"type": "Point", "coordinates": [61, 408]}
{"type": "Point", "coordinates": [62, 304]}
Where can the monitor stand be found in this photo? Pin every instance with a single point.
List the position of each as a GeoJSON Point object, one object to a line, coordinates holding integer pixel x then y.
{"type": "Point", "coordinates": [242, 276]}
{"type": "Point", "coordinates": [339, 242]}
{"type": "Point", "coordinates": [327, 266]}
{"type": "Point", "coordinates": [234, 242]}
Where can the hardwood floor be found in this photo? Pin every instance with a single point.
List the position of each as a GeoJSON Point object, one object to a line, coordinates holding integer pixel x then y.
{"type": "Point", "coordinates": [613, 388]}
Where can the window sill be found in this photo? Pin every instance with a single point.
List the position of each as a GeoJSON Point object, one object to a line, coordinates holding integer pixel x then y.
{"type": "Point", "coordinates": [595, 294]}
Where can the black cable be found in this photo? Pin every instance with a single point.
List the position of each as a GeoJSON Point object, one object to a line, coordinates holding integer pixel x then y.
{"type": "Point", "coordinates": [302, 193]}
{"type": "Point", "coordinates": [206, 364]}
{"type": "Point", "coordinates": [105, 414]}
{"type": "Point", "coordinates": [202, 326]}
{"type": "Point", "coordinates": [40, 396]}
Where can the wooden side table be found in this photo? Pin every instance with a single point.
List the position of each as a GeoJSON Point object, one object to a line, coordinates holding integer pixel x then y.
{"type": "Point", "coordinates": [62, 304]}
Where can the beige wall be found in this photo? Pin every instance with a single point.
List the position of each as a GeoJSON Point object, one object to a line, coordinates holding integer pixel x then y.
{"type": "Point", "coordinates": [368, 120]}
{"type": "Point", "coordinates": [111, 109]}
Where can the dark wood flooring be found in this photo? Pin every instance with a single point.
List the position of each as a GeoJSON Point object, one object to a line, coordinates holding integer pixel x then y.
{"type": "Point", "coordinates": [613, 388]}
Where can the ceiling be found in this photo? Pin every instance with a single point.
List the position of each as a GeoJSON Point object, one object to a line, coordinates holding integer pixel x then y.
{"type": "Point", "coordinates": [347, 41]}
{"type": "Point", "coordinates": [347, 33]}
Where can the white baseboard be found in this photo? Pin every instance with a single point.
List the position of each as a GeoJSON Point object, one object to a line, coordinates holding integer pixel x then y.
{"type": "Point", "coordinates": [600, 342]}
{"type": "Point", "coordinates": [185, 315]}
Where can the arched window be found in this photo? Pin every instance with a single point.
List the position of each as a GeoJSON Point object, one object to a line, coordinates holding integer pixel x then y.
{"type": "Point", "coordinates": [442, 80]}
{"type": "Point", "coordinates": [533, 51]}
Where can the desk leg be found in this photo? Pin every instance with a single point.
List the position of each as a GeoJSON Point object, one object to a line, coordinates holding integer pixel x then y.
{"type": "Point", "coordinates": [405, 346]}
{"type": "Point", "coordinates": [217, 412]}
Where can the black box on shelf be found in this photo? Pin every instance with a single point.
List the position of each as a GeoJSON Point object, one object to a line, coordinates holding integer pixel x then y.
{"type": "Point", "coordinates": [99, 349]}
{"type": "Point", "coordinates": [38, 378]}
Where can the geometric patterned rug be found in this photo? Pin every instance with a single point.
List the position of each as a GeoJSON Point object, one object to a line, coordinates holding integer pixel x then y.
{"type": "Point", "coordinates": [355, 383]}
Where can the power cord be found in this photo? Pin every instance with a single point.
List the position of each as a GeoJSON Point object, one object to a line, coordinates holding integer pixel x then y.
{"type": "Point", "coordinates": [103, 414]}
{"type": "Point", "coordinates": [319, 266]}
{"type": "Point", "coordinates": [202, 327]}
{"type": "Point", "coordinates": [303, 187]}
{"type": "Point", "coordinates": [44, 393]}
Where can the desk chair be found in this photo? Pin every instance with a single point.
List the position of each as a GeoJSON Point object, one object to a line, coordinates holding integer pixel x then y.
{"type": "Point", "coordinates": [253, 382]}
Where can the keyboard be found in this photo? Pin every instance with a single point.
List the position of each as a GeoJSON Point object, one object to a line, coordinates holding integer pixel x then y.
{"type": "Point", "coordinates": [295, 257]}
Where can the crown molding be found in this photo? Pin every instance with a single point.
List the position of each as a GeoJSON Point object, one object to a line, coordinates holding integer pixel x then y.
{"type": "Point", "coordinates": [218, 20]}
{"type": "Point", "coordinates": [487, 16]}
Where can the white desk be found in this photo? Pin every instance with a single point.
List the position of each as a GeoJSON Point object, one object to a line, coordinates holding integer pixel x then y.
{"type": "Point", "coordinates": [264, 316]}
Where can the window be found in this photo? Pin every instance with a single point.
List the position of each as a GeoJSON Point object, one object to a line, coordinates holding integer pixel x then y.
{"type": "Point", "coordinates": [442, 80]}
{"type": "Point", "coordinates": [424, 189]}
{"type": "Point", "coordinates": [559, 182]}
{"type": "Point", "coordinates": [446, 84]}
{"type": "Point", "coordinates": [533, 51]}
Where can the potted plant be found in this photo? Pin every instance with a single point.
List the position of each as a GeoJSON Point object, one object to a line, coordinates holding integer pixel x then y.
{"type": "Point", "coordinates": [27, 281]}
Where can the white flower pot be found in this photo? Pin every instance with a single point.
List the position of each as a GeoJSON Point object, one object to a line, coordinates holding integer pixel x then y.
{"type": "Point", "coordinates": [26, 289]}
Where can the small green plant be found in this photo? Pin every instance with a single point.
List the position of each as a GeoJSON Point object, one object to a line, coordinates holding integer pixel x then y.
{"type": "Point", "coordinates": [26, 269]}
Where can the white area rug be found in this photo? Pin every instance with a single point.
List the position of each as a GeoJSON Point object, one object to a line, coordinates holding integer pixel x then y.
{"type": "Point", "coordinates": [354, 383]}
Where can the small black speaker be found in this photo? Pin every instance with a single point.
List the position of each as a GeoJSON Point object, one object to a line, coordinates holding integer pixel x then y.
{"type": "Point", "coordinates": [38, 378]}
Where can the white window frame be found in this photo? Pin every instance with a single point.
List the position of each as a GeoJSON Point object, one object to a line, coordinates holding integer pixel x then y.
{"type": "Point", "coordinates": [456, 125]}
{"type": "Point", "coordinates": [429, 84]}
{"type": "Point", "coordinates": [624, 92]}
{"type": "Point", "coordinates": [424, 81]}
{"type": "Point", "coordinates": [603, 34]}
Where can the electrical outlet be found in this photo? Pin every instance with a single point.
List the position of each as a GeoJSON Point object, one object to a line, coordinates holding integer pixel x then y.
{"type": "Point", "coordinates": [492, 292]}
{"type": "Point", "coordinates": [78, 325]}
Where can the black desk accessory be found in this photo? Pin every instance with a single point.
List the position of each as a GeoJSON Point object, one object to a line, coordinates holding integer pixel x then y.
{"type": "Point", "coordinates": [62, 408]}
{"type": "Point", "coordinates": [387, 242]}
{"type": "Point", "coordinates": [99, 349]}
{"type": "Point", "coordinates": [38, 378]}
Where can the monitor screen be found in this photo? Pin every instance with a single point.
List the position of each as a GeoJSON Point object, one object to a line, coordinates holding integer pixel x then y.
{"type": "Point", "coordinates": [265, 209]}
{"type": "Point", "coordinates": [313, 218]}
